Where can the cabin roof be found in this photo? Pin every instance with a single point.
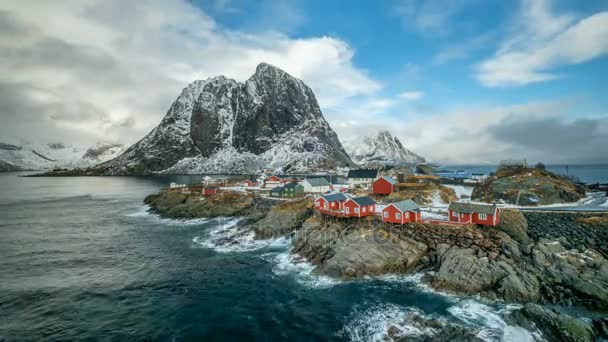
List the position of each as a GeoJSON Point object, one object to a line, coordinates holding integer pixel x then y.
{"type": "Point", "coordinates": [407, 205]}
{"type": "Point", "coordinates": [277, 189]}
{"type": "Point", "coordinates": [291, 185]}
{"type": "Point", "coordinates": [317, 181]}
{"type": "Point", "coordinates": [335, 197]}
{"type": "Point", "coordinates": [363, 200]}
{"type": "Point", "coordinates": [469, 208]}
{"type": "Point", "coordinates": [390, 179]}
{"type": "Point", "coordinates": [362, 174]}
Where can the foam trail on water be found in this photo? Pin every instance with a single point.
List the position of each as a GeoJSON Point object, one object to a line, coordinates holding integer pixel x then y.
{"type": "Point", "coordinates": [489, 319]}
{"type": "Point", "coordinates": [286, 264]}
{"type": "Point", "coordinates": [373, 324]}
{"type": "Point", "coordinates": [143, 211]}
{"type": "Point", "coordinates": [226, 236]}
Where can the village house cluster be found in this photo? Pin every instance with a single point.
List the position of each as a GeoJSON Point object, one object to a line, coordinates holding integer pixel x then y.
{"type": "Point", "coordinates": [334, 196]}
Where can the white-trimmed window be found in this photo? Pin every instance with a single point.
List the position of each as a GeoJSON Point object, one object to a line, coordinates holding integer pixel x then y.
{"type": "Point", "coordinates": [325, 205]}
{"type": "Point", "coordinates": [407, 215]}
{"type": "Point", "coordinates": [347, 210]}
{"type": "Point", "coordinates": [318, 204]}
{"type": "Point", "coordinates": [483, 216]}
{"type": "Point", "coordinates": [356, 210]}
{"type": "Point", "coordinates": [364, 209]}
{"type": "Point", "coordinates": [455, 214]}
{"type": "Point", "coordinates": [386, 214]}
{"type": "Point", "coordinates": [398, 216]}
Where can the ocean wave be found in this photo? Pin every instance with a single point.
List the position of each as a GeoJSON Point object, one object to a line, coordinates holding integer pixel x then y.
{"type": "Point", "coordinates": [287, 264]}
{"type": "Point", "coordinates": [143, 211]}
{"type": "Point", "coordinates": [384, 322]}
{"type": "Point", "coordinates": [490, 321]}
{"type": "Point", "coordinates": [226, 236]}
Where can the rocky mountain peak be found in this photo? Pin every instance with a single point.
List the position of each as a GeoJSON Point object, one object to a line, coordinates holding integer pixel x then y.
{"type": "Point", "coordinates": [220, 125]}
{"type": "Point", "coordinates": [380, 149]}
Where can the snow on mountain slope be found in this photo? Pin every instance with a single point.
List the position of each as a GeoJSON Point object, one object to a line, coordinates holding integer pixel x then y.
{"type": "Point", "coordinates": [46, 156]}
{"type": "Point", "coordinates": [381, 149]}
{"type": "Point", "coordinates": [222, 126]}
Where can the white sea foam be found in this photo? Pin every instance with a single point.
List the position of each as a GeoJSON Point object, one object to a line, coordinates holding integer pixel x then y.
{"type": "Point", "coordinates": [226, 236]}
{"type": "Point", "coordinates": [287, 264]}
{"type": "Point", "coordinates": [373, 324]}
{"type": "Point", "coordinates": [490, 321]}
{"type": "Point", "coordinates": [144, 212]}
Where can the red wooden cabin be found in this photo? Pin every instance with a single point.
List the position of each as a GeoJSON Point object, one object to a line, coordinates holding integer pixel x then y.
{"type": "Point", "coordinates": [248, 183]}
{"type": "Point", "coordinates": [384, 185]}
{"type": "Point", "coordinates": [359, 207]}
{"type": "Point", "coordinates": [484, 214]}
{"type": "Point", "coordinates": [211, 190]}
{"type": "Point", "coordinates": [402, 212]}
{"type": "Point", "coordinates": [330, 202]}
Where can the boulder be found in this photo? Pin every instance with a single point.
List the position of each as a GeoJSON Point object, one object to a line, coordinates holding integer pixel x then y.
{"type": "Point", "coordinates": [514, 223]}
{"type": "Point", "coordinates": [279, 222]}
{"type": "Point", "coordinates": [554, 326]}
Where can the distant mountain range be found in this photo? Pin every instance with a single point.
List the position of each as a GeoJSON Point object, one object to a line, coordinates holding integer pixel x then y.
{"type": "Point", "coordinates": [218, 125]}
{"type": "Point", "coordinates": [48, 156]}
{"type": "Point", "coordinates": [381, 149]}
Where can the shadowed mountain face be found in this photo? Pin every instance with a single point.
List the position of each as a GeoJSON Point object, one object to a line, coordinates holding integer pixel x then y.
{"type": "Point", "coordinates": [219, 125]}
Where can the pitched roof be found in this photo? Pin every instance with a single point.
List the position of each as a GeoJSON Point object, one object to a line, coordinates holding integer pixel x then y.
{"type": "Point", "coordinates": [390, 179]}
{"type": "Point", "coordinates": [317, 181]}
{"type": "Point", "coordinates": [276, 189]}
{"type": "Point", "coordinates": [364, 200]}
{"type": "Point", "coordinates": [407, 205]}
{"type": "Point", "coordinates": [212, 187]}
{"type": "Point", "coordinates": [335, 197]}
{"type": "Point", "coordinates": [462, 207]}
{"type": "Point", "coordinates": [339, 180]}
{"type": "Point", "coordinates": [362, 174]}
{"type": "Point", "coordinates": [291, 185]}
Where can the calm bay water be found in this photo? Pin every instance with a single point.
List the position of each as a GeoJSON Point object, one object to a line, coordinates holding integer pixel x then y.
{"type": "Point", "coordinates": [81, 259]}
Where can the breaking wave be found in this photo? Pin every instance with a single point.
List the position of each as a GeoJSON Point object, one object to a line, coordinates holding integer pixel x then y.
{"type": "Point", "coordinates": [386, 322]}
{"type": "Point", "coordinates": [490, 321]}
{"type": "Point", "coordinates": [226, 236]}
{"type": "Point", "coordinates": [286, 264]}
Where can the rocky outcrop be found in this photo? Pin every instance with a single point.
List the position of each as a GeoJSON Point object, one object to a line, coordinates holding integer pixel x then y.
{"type": "Point", "coordinates": [524, 186]}
{"type": "Point", "coordinates": [283, 219]}
{"type": "Point", "coordinates": [555, 326]}
{"type": "Point", "coordinates": [380, 150]}
{"type": "Point", "coordinates": [348, 251]}
{"type": "Point", "coordinates": [219, 125]}
{"type": "Point", "coordinates": [175, 204]}
{"type": "Point", "coordinates": [422, 329]}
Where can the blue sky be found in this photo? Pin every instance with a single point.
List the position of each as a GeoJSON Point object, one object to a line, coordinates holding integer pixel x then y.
{"type": "Point", "coordinates": [458, 81]}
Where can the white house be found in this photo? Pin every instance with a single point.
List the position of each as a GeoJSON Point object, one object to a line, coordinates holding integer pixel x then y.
{"type": "Point", "coordinates": [316, 185]}
{"type": "Point", "coordinates": [363, 178]}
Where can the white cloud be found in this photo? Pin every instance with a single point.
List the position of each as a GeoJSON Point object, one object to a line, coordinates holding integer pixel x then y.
{"type": "Point", "coordinates": [412, 95]}
{"type": "Point", "coordinates": [429, 16]}
{"type": "Point", "coordinates": [542, 42]}
{"type": "Point", "coordinates": [110, 69]}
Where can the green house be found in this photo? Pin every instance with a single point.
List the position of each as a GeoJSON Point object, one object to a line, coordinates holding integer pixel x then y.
{"type": "Point", "coordinates": [293, 189]}
{"type": "Point", "coordinates": [277, 191]}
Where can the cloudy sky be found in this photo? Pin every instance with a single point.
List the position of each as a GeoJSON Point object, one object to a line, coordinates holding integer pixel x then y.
{"type": "Point", "coordinates": [458, 81]}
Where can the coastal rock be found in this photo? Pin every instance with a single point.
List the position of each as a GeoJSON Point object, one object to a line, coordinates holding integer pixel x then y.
{"type": "Point", "coordinates": [281, 220]}
{"type": "Point", "coordinates": [586, 274]}
{"type": "Point", "coordinates": [514, 223]}
{"type": "Point", "coordinates": [178, 205]}
{"type": "Point", "coordinates": [349, 251]}
{"type": "Point", "coordinates": [525, 186]}
{"type": "Point", "coordinates": [423, 329]}
{"type": "Point", "coordinates": [554, 326]}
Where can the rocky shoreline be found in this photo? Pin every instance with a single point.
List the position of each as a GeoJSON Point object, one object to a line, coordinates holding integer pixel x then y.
{"type": "Point", "coordinates": [531, 257]}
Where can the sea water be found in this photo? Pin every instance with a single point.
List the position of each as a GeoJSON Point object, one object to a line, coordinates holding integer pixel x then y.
{"type": "Point", "coordinates": [82, 259]}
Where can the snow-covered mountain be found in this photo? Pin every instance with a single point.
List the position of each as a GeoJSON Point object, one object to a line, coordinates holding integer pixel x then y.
{"type": "Point", "coordinates": [47, 156]}
{"type": "Point", "coordinates": [271, 121]}
{"type": "Point", "coordinates": [381, 149]}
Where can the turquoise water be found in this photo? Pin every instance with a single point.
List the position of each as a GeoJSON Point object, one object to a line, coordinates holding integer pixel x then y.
{"type": "Point", "coordinates": [81, 259]}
